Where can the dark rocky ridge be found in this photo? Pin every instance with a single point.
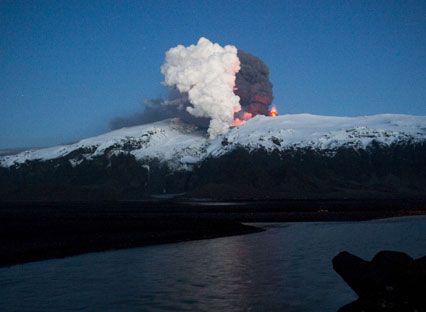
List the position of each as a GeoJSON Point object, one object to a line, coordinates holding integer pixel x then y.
{"type": "Point", "coordinates": [379, 171]}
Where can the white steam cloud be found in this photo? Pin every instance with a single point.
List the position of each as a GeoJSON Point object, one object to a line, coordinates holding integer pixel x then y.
{"type": "Point", "coordinates": [206, 72]}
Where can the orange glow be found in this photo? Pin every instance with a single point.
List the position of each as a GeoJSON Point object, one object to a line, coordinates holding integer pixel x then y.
{"type": "Point", "coordinates": [247, 116]}
{"type": "Point", "coordinates": [273, 112]}
{"type": "Point", "coordinates": [238, 122]}
{"type": "Point", "coordinates": [242, 117]}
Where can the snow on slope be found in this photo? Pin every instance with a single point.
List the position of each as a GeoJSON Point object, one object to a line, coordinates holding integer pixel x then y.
{"type": "Point", "coordinates": [323, 132]}
{"type": "Point", "coordinates": [167, 140]}
{"type": "Point", "coordinates": [181, 145]}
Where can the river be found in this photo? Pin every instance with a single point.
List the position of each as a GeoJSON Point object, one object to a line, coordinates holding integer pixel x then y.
{"type": "Point", "coordinates": [286, 268]}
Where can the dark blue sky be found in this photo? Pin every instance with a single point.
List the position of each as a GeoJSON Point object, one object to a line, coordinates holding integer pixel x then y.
{"type": "Point", "coordinates": [69, 67]}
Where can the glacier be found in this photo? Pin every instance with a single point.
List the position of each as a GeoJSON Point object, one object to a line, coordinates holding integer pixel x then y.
{"type": "Point", "coordinates": [181, 145]}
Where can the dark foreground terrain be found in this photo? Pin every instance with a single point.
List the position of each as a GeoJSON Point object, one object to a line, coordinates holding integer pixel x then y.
{"type": "Point", "coordinates": [379, 171]}
{"type": "Point", "coordinates": [392, 281]}
{"type": "Point", "coordinates": [31, 231]}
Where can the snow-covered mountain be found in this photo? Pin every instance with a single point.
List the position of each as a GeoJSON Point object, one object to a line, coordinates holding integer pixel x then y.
{"type": "Point", "coordinates": [290, 156]}
{"type": "Point", "coordinates": [180, 145]}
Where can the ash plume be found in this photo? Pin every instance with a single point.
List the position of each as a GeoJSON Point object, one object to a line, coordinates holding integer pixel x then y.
{"type": "Point", "coordinates": [253, 85]}
{"type": "Point", "coordinates": [210, 86]}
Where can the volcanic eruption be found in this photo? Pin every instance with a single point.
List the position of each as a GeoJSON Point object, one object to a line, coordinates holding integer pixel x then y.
{"type": "Point", "coordinates": [211, 86]}
{"type": "Point", "coordinates": [253, 87]}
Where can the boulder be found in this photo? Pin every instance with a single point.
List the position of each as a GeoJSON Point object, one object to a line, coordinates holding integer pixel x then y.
{"type": "Point", "coordinates": [391, 281]}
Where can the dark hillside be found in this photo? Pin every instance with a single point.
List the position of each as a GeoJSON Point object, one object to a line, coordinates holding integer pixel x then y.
{"type": "Point", "coordinates": [395, 171]}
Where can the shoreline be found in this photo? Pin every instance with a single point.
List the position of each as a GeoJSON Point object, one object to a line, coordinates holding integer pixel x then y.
{"type": "Point", "coordinates": [57, 238]}
{"type": "Point", "coordinates": [36, 231]}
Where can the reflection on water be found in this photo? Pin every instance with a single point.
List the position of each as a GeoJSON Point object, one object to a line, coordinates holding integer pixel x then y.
{"type": "Point", "coordinates": [286, 268]}
{"type": "Point", "coordinates": [214, 203]}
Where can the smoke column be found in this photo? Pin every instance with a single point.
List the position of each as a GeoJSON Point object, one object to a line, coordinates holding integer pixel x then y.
{"type": "Point", "coordinates": [204, 81]}
{"type": "Point", "coordinates": [253, 86]}
{"type": "Point", "coordinates": [206, 72]}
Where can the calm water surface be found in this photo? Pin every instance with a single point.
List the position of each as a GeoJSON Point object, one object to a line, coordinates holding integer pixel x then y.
{"type": "Point", "coordinates": [286, 268]}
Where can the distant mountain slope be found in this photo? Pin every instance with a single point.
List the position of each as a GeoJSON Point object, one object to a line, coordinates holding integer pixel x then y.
{"type": "Point", "coordinates": [180, 144]}
{"type": "Point", "coordinates": [287, 156]}
{"type": "Point", "coordinates": [12, 151]}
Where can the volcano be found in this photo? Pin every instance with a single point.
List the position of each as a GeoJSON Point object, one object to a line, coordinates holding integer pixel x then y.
{"type": "Point", "coordinates": [296, 156]}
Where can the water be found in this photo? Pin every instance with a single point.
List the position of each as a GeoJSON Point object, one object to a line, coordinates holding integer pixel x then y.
{"type": "Point", "coordinates": [286, 268]}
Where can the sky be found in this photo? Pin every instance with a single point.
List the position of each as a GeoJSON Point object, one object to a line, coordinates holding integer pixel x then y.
{"type": "Point", "coordinates": [69, 67]}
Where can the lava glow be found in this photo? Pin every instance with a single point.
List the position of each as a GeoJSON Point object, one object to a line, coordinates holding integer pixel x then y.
{"type": "Point", "coordinates": [238, 122]}
{"type": "Point", "coordinates": [241, 118]}
{"type": "Point", "coordinates": [273, 112]}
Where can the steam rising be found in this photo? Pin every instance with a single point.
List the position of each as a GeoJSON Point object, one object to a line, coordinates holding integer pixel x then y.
{"type": "Point", "coordinates": [210, 86]}
{"type": "Point", "coordinates": [206, 73]}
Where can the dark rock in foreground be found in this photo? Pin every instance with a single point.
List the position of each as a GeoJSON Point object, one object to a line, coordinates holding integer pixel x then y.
{"type": "Point", "coordinates": [391, 281]}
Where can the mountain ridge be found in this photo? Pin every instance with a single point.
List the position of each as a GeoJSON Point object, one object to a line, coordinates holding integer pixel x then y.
{"type": "Point", "coordinates": [182, 145]}
{"type": "Point", "coordinates": [291, 156]}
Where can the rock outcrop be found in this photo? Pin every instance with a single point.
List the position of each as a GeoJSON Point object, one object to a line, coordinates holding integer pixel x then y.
{"type": "Point", "coordinates": [391, 281]}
